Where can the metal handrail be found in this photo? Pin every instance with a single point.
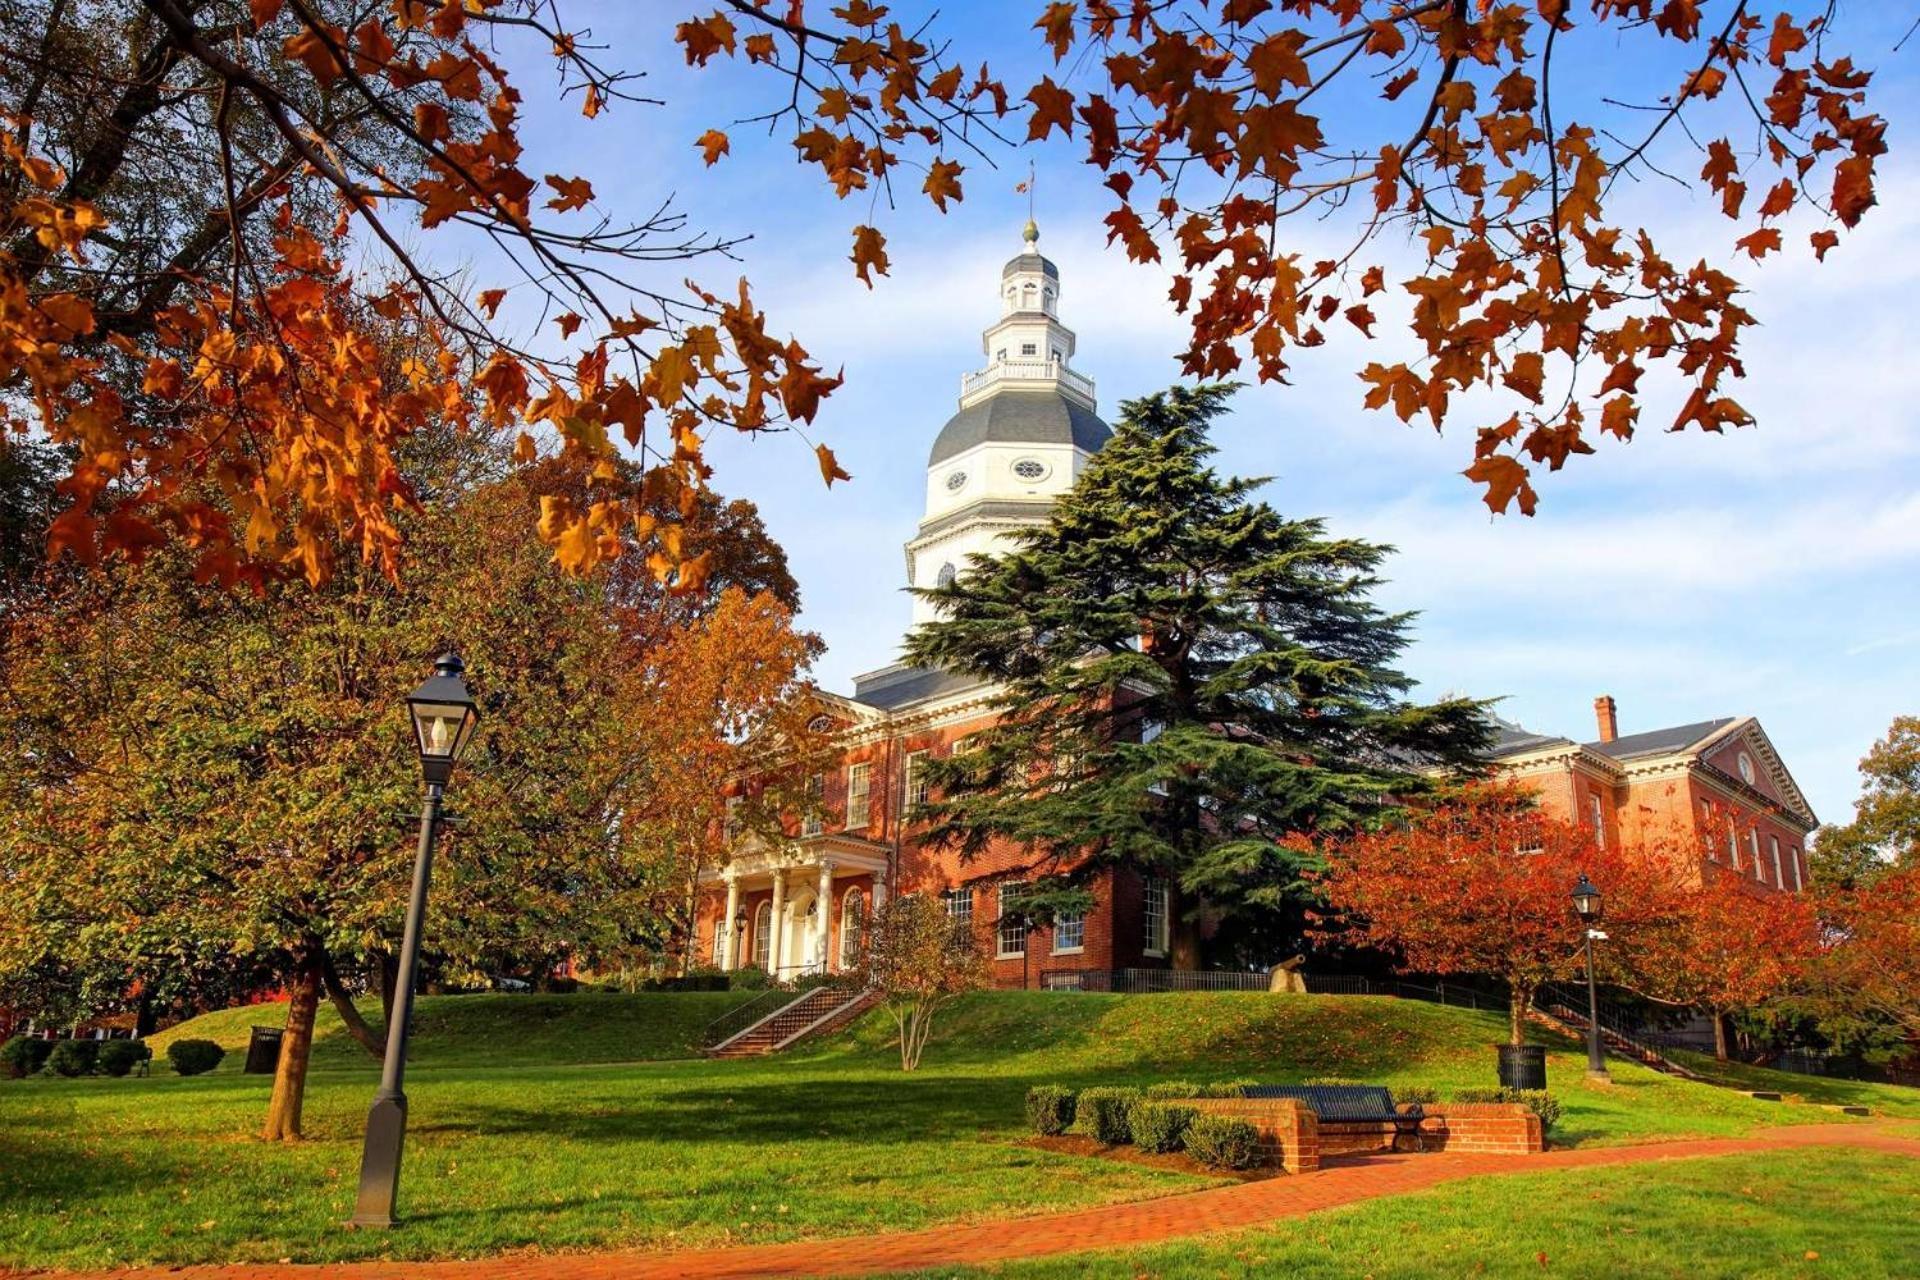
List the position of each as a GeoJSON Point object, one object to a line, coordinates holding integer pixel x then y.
{"type": "Point", "coordinates": [740, 1017]}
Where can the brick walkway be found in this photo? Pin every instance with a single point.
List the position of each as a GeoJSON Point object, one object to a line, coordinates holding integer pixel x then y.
{"type": "Point", "coordinates": [1140, 1222]}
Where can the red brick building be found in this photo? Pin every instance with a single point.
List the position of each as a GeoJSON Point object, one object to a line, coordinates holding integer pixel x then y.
{"type": "Point", "coordinates": [1717, 782]}
{"type": "Point", "coordinates": [1025, 427]}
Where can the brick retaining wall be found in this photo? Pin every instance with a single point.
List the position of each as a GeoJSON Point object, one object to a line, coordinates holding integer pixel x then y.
{"type": "Point", "coordinates": [1292, 1136]}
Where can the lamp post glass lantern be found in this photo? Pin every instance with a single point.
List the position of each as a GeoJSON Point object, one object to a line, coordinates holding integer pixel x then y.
{"type": "Point", "coordinates": [1586, 905]}
{"type": "Point", "coordinates": [444, 717]}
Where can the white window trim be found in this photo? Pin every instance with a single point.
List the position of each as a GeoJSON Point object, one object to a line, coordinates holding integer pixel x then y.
{"type": "Point", "coordinates": [853, 909]}
{"type": "Point", "coordinates": [763, 936]}
{"type": "Point", "coordinates": [1056, 949]}
{"type": "Point", "coordinates": [1152, 886]}
{"type": "Point", "coordinates": [1779, 872]}
{"type": "Point", "coordinates": [1753, 847]}
{"type": "Point", "coordinates": [815, 822]}
{"type": "Point", "coordinates": [1001, 903]}
{"type": "Point", "coordinates": [864, 770]}
{"type": "Point", "coordinates": [916, 777]}
{"type": "Point", "coordinates": [1795, 856]}
{"type": "Point", "coordinates": [1598, 813]}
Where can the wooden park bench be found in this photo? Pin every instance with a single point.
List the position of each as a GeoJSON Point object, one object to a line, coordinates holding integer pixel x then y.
{"type": "Point", "coordinates": [1350, 1104]}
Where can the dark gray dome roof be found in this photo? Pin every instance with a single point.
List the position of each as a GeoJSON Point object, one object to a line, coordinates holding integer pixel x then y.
{"type": "Point", "coordinates": [1020, 417]}
{"type": "Point", "coordinates": [1030, 262]}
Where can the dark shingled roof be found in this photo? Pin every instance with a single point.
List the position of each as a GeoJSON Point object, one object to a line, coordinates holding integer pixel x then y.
{"type": "Point", "coordinates": [1659, 742]}
{"type": "Point", "coordinates": [1020, 417]}
{"type": "Point", "coordinates": [1030, 262]}
{"type": "Point", "coordinates": [1510, 739]}
{"type": "Point", "coordinates": [896, 687]}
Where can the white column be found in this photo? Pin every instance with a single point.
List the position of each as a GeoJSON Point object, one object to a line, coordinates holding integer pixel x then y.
{"type": "Point", "coordinates": [730, 954]}
{"type": "Point", "coordinates": [774, 947]}
{"type": "Point", "coordinates": [825, 892]}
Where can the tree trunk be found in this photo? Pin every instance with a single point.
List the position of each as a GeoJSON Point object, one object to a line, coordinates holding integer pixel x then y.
{"type": "Point", "coordinates": [145, 1018]}
{"type": "Point", "coordinates": [356, 1025]}
{"type": "Point", "coordinates": [1517, 1015]}
{"type": "Point", "coordinates": [296, 1046]}
{"type": "Point", "coordinates": [1720, 1035]}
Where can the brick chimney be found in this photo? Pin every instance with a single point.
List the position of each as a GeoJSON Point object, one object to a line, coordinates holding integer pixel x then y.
{"type": "Point", "coordinates": [1607, 715]}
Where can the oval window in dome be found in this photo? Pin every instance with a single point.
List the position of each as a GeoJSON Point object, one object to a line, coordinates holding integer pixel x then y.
{"type": "Point", "coordinates": [956, 481]}
{"type": "Point", "coordinates": [1030, 469]}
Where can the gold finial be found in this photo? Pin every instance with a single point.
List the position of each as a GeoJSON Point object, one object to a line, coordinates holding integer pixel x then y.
{"type": "Point", "coordinates": [1032, 233]}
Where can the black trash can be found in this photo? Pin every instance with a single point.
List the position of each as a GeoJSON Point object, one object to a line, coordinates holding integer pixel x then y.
{"type": "Point", "coordinates": [263, 1051]}
{"type": "Point", "coordinates": [1523, 1066]}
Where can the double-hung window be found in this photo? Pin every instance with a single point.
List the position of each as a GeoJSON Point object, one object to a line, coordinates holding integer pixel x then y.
{"type": "Point", "coordinates": [1154, 899]}
{"type": "Point", "coordinates": [1598, 817]}
{"type": "Point", "coordinates": [1753, 847]}
{"type": "Point", "coordinates": [1069, 932]}
{"type": "Point", "coordinates": [859, 784]}
{"type": "Point", "coordinates": [763, 935]}
{"type": "Point", "coordinates": [1011, 936]}
{"type": "Point", "coordinates": [816, 797]}
{"type": "Point", "coordinates": [733, 819]}
{"type": "Point", "coordinates": [1779, 872]}
{"type": "Point", "coordinates": [853, 924]}
{"type": "Point", "coordinates": [916, 780]}
{"type": "Point", "coordinates": [959, 904]}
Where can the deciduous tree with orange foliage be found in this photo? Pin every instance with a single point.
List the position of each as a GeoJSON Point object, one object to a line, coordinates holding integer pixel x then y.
{"type": "Point", "coordinates": [1728, 946]}
{"type": "Point", "coordinates": [1481, 884]}
{"type": "Point", "coordinates": [183, 183]}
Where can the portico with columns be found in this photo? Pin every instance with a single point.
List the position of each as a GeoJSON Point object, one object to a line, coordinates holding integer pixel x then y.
{"type": "Point", "coordinates": [791, 910]}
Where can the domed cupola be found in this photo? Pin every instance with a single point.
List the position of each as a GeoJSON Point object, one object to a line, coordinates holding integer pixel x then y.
{"type": "Point", "coordinates": [1025, 428]}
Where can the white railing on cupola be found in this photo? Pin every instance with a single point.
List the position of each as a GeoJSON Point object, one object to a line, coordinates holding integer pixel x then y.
{"type": "Point", "coordinates": [973, 385]}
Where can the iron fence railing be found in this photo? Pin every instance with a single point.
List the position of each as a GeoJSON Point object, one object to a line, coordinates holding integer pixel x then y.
{"type": "Point", "coordinates": [741, 1016]}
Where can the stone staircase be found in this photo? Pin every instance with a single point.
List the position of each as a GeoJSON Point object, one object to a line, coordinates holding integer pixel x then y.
{"type": "Point", "coordinates": [813, 1012]}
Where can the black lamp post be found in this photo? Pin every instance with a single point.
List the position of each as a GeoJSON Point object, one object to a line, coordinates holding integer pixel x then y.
{"type": "Point", "coordinates": [1586, 905]}
{"type": "Point", "coordinates": [444, 716]}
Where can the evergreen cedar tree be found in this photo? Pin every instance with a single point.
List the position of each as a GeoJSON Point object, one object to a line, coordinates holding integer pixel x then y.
{"type": "Point", "coordinates": [1194, 686]}
{"type": "Point", "coordinates": [202, 790]}
{"type": "Point", "coordinates": [185, 183]}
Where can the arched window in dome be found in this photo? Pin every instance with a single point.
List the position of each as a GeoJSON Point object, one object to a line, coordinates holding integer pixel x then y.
{"type": "Point", "coordinates": [945, 579]}
{"type": "Point", "coordinates": [853, 927]}
{"type": "Point", "coordinates": [1026, 295]}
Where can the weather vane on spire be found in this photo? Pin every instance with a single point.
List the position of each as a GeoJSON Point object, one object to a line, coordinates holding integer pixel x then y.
{"type": "Point", "coordinates": [1032, 232]}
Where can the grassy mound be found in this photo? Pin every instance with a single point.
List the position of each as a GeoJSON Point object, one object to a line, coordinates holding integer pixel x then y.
{"type": "Point", "coordinates": [491, 1030]}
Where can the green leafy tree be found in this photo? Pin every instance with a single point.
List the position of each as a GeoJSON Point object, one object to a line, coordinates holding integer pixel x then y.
{"type": "Point", "coordinates": [1885, 831]}
{"type": "Point", "coordinates": [1194, 685]}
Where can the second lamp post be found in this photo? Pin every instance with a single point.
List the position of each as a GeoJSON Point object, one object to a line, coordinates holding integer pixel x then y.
{"type": "Point", "coordinates": [444, 716]}
{"type": "Point", "coordinates": [1586, 905]}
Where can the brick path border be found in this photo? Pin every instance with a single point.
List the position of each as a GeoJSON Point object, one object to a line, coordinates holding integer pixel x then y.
{"type": "Point", "coordinates": [1113, 1226]}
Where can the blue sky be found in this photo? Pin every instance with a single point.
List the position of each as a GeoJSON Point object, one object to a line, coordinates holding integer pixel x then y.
{"type": "Point", "coordinates": [1771, 572]}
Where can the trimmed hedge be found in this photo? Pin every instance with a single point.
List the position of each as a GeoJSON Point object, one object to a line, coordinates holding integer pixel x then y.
{"type": "Point", "coordinates": [1050, 1109]}
{"type": "Point", "coordinates": [1159, 1126]}
{"type": "Point", "coordinates": [118, 1057]}
{"type": "Point", "coordinates": [1223, 1142]}
{"type": "Point", "coordinates": [1173, 1089]}
{"type": "Point", "coordinates": [72, 1058]}
{"type": "Point", "coordinates": [194, 1057]}
{"type": "Point", "coordinates": [23, 1056]}
{"type": "Point", "coordinates": [1538, 1101]}
{"type": "Point", "coordinates": [1101, 1114]}
{"type": "Point", "coordinates": [1227, 1088]}
{"type": "Point", "coordinates": [1424, 1094]}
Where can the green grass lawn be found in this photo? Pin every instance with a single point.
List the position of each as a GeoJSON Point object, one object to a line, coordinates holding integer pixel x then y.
{"type": "Point", "coordinates": [1843, 1214]}
{"type": "Point", "coordinates": [590, 1145]}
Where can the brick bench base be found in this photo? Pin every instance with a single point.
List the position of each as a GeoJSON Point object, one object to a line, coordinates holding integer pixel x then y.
{"type": "Point", "coordinates": [1293, 1137]}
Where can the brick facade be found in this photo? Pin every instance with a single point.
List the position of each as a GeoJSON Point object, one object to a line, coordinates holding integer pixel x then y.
{"type": "Point", "coordinates": [1717, 786]}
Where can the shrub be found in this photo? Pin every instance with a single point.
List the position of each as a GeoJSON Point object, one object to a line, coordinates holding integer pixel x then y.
{"type": "Point", "coordinates": [1538, 1101]}
{"type": "Point", "coordinates": [74, 1057]}
{"type": "Point", "coordinates": [1050, 1109]}
{"type": "Point", "coordinates": [1223, 1142]}
{"type": "Point", "coordinates": [1226, 1088]}
{"type": "Point", "coordinates": [118, 1057]}
{"type": "Point", "coordinates": [194, 1057]}
{"type": "Point", "coordinates": [1173, 1089]}
{"type": "Point", "coordinates": [1334, 1081]}
{"type": "Point", "coordinates": [751, 978]}
{"type": "Point", "coordinates": [22, 1056]}
{"type": "Point", "coordinates": [1424, 1094]}
{"type": "Point", "coordinates": [1101, 1114]}
{"type": "Point", "coordinates": [1159, 1126]}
